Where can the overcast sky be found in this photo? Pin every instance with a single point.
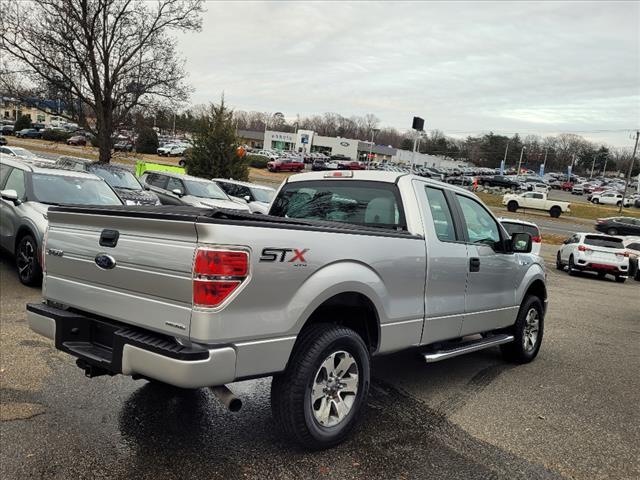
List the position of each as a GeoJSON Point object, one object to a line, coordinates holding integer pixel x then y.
{"type": "Point", "coordinates": [539, 67]}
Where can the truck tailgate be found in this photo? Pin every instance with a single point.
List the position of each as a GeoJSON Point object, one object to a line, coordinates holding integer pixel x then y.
{"type": "Point", "coordinates": [146, 280]}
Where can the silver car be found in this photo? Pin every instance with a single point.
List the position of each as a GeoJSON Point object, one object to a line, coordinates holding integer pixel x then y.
{"type": "Point", "coordinates": [258, 197]}
{"type": "Point", "coordinates": [178, 189]}
{"type": "Point", "coordinates": [27, 191]}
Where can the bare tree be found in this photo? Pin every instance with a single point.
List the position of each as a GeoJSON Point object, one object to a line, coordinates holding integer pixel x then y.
{"type": "Point", "coordinates": [107, 55]}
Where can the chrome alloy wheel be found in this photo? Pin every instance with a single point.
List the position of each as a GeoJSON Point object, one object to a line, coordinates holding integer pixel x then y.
{"type": "Point", "coordinates": [531, 329]}
{"type": "Point", "coordinates": [334, 389]}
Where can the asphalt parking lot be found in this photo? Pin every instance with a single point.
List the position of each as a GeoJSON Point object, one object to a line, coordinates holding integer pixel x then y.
{"type": "Point", "coordinates": [570, 414]}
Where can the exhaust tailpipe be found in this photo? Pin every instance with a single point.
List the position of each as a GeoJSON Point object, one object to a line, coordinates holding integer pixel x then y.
{"type": "Point", "coordinates": [227, 398]}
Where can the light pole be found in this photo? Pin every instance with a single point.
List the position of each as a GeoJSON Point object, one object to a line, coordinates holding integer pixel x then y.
{"type": "Point", "coordinates": [633, 158]}
{"type": "Point", "coordinates": [373, 134]}
{"type": "Point", "coordinates": [504, 160]}
{"type": "Point", "coordinates": [520, 161]}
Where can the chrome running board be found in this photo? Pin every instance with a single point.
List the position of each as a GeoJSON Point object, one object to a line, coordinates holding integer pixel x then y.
{"type": "Point", "coordinates": [467, 347]}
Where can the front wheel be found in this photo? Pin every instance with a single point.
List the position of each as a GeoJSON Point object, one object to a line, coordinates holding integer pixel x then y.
{"type": "Point", "coordinates": [318, 398]}
{"type": "Point", "coordinates": [555, 212]}
{"type": "Point", "coordinates": [527, 332]}
{"type": "Point", "coordinates": [512, 206]}
{"type": "Point", "coordinates": [595, 201]}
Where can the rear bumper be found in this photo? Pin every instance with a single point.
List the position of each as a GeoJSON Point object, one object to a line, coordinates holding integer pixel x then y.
{"type": "Point", "coordinates": [111, 347]}
{"type": "Point", "coordinates": [621, 270]}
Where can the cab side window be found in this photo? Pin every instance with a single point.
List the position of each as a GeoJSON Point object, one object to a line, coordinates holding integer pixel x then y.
{"type": "Point", "coordinates": [441, 213]}
{"type": "Point", "coordinates": [15, 181]}
{"type": "Point", "coordinates": [479, 224]}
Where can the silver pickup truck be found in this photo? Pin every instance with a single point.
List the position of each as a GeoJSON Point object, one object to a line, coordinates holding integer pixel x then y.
{"type": "Point", "coordinates": [347, 265]}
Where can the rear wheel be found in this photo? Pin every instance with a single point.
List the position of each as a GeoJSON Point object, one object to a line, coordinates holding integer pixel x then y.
{"type": "Point", "coordinates": [559, 265]}
{"type": "Point", "coordinates": [572, 266]}
{"type": "Point", "coordinates": [29, 271]}
{"type": "Point", "coordinates": [555, 212]}
{"type": "Point", "coordinates": [527, 332]}
{"type": "Point", "coordinates": [318, 398]}
{"type": "Point", "coordinates": [512, 206]}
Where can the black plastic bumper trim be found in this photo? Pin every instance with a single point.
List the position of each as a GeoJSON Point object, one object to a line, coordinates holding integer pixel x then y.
{"type": "Point", "coordinates": [100, 341]}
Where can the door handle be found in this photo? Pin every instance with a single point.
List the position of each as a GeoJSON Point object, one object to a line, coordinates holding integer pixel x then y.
{"type": "Point", "coordinates": [474, 264]}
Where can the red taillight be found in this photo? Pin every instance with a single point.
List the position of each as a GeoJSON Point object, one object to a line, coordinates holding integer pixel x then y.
{"type": "Point", "coordinates": [622, 254]}
{"type": "Point", "coordinates": [217, 274]}
{"type": "Point", "coordinates": [537, 239]}
{"type": "Point", "coordinates": [223, 263]}
{"type": "Point", "coordinates": [582, 248]}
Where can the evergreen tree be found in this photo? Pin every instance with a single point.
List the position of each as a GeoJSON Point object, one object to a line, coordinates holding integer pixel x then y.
{"type": "Point", "coordinates": [215, 144]}
{"type": "Point", "coordinates": [147, 141]}
{"type": "Point", "coordinates": [21, 123]}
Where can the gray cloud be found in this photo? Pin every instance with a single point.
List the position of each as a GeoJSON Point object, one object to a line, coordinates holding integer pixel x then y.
{"type": "Point", "coordinates": [538, 67]}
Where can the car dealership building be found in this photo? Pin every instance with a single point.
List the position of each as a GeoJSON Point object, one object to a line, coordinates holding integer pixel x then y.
{"type": "Point", "coordinates": [308, 141]}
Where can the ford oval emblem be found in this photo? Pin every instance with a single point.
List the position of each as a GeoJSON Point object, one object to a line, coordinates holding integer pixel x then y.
{"type": "Point", "coordinates": [104, 261]}
{"type": "Point", "coordinates": [344, 144]}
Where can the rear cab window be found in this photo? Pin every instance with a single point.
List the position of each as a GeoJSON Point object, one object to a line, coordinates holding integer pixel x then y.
{"type": "Point", "coordinates": [512, 228]}
{"type": "Point", "coordinates": [374, 204]}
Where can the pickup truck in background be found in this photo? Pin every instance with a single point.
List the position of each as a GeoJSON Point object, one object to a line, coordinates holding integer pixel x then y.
{"type": "Point", "coordinates": [535, 201]}
{"type": "Point", "coordinates": [346, 266]}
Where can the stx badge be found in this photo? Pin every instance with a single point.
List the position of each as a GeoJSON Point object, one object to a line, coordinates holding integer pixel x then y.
{"type": "Point", "coordinates": [294, 255]}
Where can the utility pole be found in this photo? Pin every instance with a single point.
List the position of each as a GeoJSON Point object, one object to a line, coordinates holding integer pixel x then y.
{"type": "Point", "coordinates": [593, 166]}
{"type": "Point", "coordinates": [633, 158]}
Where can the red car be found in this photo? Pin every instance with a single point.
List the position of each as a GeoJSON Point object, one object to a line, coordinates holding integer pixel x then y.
{"type": "Point", "coordinates": [353, 165]}
{"type": "Point", "coordinates": [284, 164]}
{"type": "Point", "coordinates": [77, 140]}
{"type": "Point", "coordinates": [567, 186]}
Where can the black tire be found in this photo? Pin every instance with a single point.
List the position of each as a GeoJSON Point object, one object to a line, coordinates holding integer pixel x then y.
{"type": "Point", "coordinates": [621, 279]}
{"type": "Point", "coordinates": [618, 204]}
{"type": "Point", "coordinates": [559, 265]}
{"type": "Point", "coordinates": [27, 262]}
{"type": "Point", "coordinates": [572, 267]}
{"type": "Point", "coordinates": [512, 206]}
{"type": "Point", "coordinates": [182, 163]}
{"type": "Point", "coordinates": [612, 231]}
{"type": "Point", "coordinates": [291, 390]}
{"type": "Point", "coordinates": [555, 212]}
{"type": "Point", "coordinates": [596, 201]}
{"type": "Point", "coordinates": [516, 351]}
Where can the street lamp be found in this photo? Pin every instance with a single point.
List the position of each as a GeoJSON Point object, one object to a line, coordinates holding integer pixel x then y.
{"type": "Point", "coordinates": [373, 134]}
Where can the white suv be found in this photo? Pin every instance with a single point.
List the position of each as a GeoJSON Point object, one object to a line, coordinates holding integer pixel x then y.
{"type": "Point", "coordinates": [594, 252]}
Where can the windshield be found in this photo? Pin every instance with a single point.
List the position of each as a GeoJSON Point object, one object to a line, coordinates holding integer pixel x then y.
{"type": "Point", "coordinates": [606, 242]}
{"type": "Point", "coordinates": [60, 190]}
{"type": "Point", "coordinates": [22, 152]}
{"type": "Point", "coordinates": [117, 178]}
{"type": "Point", "coordinates": [205, 190]}
{"type": "Point", "coordinates": [262, 195]}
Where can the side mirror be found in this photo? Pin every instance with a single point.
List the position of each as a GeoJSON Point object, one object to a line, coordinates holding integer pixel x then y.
{"type": "Point", "coordinates": [247, 198]}
{"type": "Point", "coordinates": [11, 196]}
{"type": "Point", "coordinates": [146, 187]}
{"type": "Point", "coordinates": [521, 242]}
{"type": "Point", "coordinates": [566, 242]}
{"type": "Point", "coordinates": [177, 191]}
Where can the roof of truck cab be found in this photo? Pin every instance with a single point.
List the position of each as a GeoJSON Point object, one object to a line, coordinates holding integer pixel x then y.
{"type": "Point", "coordinates": [373, 176]}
